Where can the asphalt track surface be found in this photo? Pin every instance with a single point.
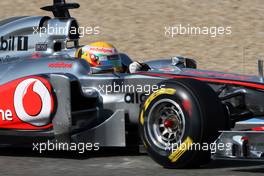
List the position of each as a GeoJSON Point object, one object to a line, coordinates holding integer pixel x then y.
{"type": "Point", "coordinates": [112, 162]}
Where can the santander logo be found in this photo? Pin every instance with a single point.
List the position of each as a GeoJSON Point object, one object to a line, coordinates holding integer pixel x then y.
{"type": "Point", "coordinates": [33, 102]}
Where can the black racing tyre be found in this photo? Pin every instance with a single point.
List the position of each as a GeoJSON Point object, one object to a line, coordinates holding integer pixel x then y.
{"type": "Point", "coordinates": [184, 113]}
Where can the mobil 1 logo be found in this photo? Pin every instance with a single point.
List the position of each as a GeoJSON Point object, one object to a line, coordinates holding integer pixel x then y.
{"type": "Point", "coordinates": [14, 43]}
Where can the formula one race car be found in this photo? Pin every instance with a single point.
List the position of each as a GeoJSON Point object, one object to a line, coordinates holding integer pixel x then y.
{"type": "Point", "coordinates": [46, 93]}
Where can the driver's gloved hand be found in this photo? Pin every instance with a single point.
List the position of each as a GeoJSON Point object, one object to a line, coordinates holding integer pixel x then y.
{"type": "Point", "coordinates": [137, 67]}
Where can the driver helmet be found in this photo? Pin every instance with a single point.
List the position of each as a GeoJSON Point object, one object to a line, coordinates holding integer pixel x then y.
{"type": "Point", "coordinates": [102, 57]}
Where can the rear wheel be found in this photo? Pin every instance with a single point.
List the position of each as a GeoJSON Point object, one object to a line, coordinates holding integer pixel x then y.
{"type": "Point", "coordinates": [178, 120]}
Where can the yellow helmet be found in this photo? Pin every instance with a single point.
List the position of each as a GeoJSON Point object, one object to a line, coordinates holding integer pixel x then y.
{"type": "Point", "coordinates": [101, 55]}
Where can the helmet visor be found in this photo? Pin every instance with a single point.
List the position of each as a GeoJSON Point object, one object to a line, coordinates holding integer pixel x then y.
{"type": "Point", "coordinates": [110, 60]}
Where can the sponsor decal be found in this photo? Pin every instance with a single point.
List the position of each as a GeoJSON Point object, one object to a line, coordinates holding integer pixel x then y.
{"type": "Point", "coordinates": [14, 43]}
{"type": "Point", "coordinates": [8, 58]}
{"type": "Point", "coordinates": [32, 100]}
{"type": "Point", "coordinates": [185, 146]}
{"type": "Point", "coordinates": [60, 65]}
{"type": "Point", "coordinates": [26, 103]}
{"type": "Point", "coordinates": [6, 115]}
{"type": "Point", "coordinates": [41, 47]}
{"type": "Point", "coordinates": [102, 50]}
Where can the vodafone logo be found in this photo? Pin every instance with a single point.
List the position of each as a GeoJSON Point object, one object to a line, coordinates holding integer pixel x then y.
{"type": "Point", "coordinates": [102, 50]}
{"type": "Point", "coordinates": [33, 102]}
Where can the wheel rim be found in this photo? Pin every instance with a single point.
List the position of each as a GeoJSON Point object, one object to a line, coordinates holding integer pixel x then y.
{"type": "Point", "coordinates": [166, 123]}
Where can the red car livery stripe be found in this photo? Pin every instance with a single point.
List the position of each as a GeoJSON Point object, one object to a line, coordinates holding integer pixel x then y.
{"type": "Point", "coordinates": [258, 129]}
{"type": "Point", "coordinates": [26, 104]}
{"type": "Point", "coordinates": [224, 81]}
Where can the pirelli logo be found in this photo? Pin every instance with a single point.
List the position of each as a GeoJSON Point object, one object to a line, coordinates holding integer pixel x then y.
{"type": "Point", "coordinates": [185, 146]}
{"type": "Point", "coordinates": [14, 43]}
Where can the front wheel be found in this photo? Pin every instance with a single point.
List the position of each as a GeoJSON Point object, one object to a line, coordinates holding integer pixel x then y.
{"type": "Point", "coordinates": [178, 120]}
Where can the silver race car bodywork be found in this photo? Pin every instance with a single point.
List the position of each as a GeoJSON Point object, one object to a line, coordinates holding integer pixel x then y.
{"type": "Point", "coordinates": [77, 105]}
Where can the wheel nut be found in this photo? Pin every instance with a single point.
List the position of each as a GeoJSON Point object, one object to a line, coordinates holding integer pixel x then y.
{"type": "Point", "coordinates": [168, 123]}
